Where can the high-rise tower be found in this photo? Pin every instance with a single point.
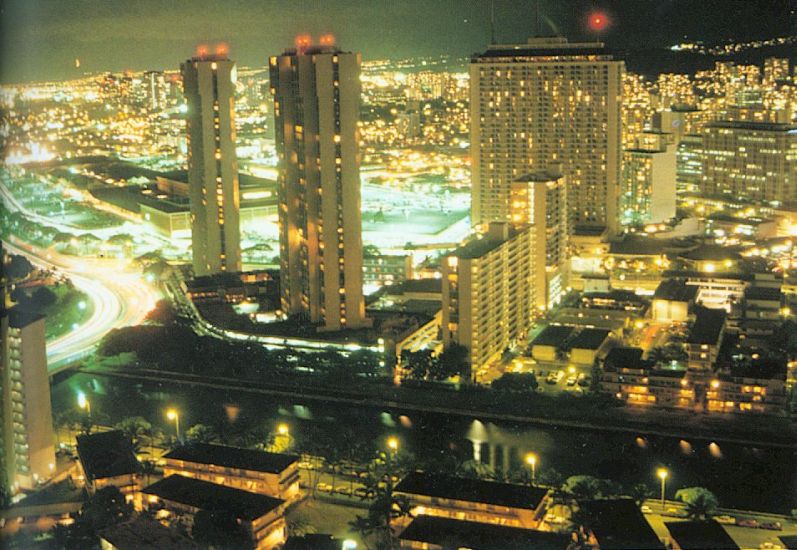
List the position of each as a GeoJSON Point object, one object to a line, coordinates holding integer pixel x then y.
{"type": "Point", "coordinates": [547, 102]}
{"type": "Point", "coordinates": [316, 93]}
{"type": "Point", "coordinates": [212, 165]}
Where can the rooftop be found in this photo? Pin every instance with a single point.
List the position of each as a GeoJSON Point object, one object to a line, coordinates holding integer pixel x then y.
{"type": "Point", "coordinates": [711, 252]}
{"type": "Point", "coordinates": [708, 326]}
{"type": "Point", "coordinates": [210, 496]}
{"type": "Point", "coordinates": [452, 533]}
{"type": "Point", "coordinates": [233, 457]}
{"type": "Point", "coordinates": [472, 490]}
{"type": "Point", "coordinates": [625, 358]}
{"type": "Point", "coordinates": [700, 534]}
{"type": "Point", "coordinates": [145, 533]}
{"type": "Point", "coordinates": [106, 454]}
{"type": "Point", "coordinates": [767, 293]}
{"type": "Point", "coordinates": [619, 524]}
{"type": "Point", "coordinates": [589, 338]}
{"type": "Point", "coordinates": [675, 290]}
{"type": "Point", "coordinates": [553, 335]}
{"type": "Point", "coordinates": [21, 318]}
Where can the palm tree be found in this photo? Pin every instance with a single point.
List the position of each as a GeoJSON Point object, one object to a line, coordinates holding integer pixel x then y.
{"type": "Point", "coordinates": [700, 502]}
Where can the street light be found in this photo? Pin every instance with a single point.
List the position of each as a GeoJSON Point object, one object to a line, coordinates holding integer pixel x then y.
{"type": "Point", "coordinates": [283, 429]}
{"type": "Point", "coordinates": [172, 415]}
{"type": "Point", "coordinates": [392, 444]}
{"type": "Point", "coordinates": [84, 403]}
{"type": "Point", "coordinates": [662, 473]}
{"type": "Point", "coordinates": [531, 460]}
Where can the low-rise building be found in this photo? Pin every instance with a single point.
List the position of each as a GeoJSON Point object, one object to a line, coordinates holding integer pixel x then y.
{"type": "Point", "coordinates": [473, 500]}
{"type": "Point", "coordinates": [142, 533]}
{"type": "Point", "coordinates": [618, 524]}
{"type": "Point", "coordinates": [272, 474]}
{"type": "Point", "coordinates": [107, 458]}
{"type": "Point", "coordinates": [261, 515]}
{"type": "Point", "coordinates": [689, 535]}
{"type": "Point", "coordinates": [636, 381]}
{"type": "Point", "coordinates": [438, 533]}
{"type": "Point", "coordinates": [386, 269]}
{"type": "Point", "coordinates": [705, 338]}
{"type": "Point", "coordinates": [551, 342]}
{"type": "Point", "coordinates": [672, 301]}
{"type": "Point", "coordinates": [589, 345]}
{"type": "Point", "coordinates": [758, 387]}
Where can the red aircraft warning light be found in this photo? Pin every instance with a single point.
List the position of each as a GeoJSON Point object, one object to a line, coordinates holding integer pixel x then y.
{"type": "Point", "coordinates": [222, 49]}
{"type": "Point", "coordinates": [303, 42]}
{"type": "Point", "coordinates": [202, 51]}
{"type": "Point", "coordinates": [327, 40]}
{"type": "Point", "coordinates": [598, 21]}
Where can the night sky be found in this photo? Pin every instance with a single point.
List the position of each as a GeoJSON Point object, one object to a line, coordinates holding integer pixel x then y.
{"type": "Point", "coordinates": [42, 38]}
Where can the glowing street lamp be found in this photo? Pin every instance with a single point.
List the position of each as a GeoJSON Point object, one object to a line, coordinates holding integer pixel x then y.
{"type": "Point", "coordinates": [174, 416]}
{"type": "Point", "coordinates": [283, 429]}
{"type": "Point", "coordinates": [662, 473]}
{"type": "Point", "coordinates": [531, 460]}
{"type": "Point", "coordinates": [84, 403]}
{"type": "Point", "coordinates": [392, 444]}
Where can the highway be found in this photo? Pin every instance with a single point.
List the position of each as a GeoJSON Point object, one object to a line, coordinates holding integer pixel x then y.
{"type": "Point", "coordinates": [120, 296]}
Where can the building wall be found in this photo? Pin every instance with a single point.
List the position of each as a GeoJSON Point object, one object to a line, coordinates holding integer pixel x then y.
{"type": "Point", "coordinates": [488, 300]}
{"type": "Point", "coordinates": [28, 436]}
{"type": "Point", "coordinates": [316, 110]}
{"type": "Point", "coordinates": [530, 111]}
{"type": "Point", "coordinates": [212, 165]}
{"type": "Point", "coordinates": [284, 485]}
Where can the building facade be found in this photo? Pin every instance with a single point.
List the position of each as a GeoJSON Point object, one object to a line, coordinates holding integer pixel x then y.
{"type": "Point", "coordinates": [542, 103]}
{"type": "Point", "coordinates": [750, 160]}
{"type": "Point", "coordinates": [316, 94]}
{"type": "Point", "coordinates": [27, 436]}
{"type": "Point", "coordinates": [540, 199]}
{"type": "Point", "coordinates": [208, 85]}
{"type": "Point", "coordinates": [648, 185]}
{"type": "Point", "coordinates": [488, 292]}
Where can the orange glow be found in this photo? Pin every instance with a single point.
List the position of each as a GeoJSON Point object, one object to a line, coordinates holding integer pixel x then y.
{"type": "Point", "coordinates": [327, 40]}
{"type": "Point", "coordinates": [303, 42]}
{"type": "Point", "coordinates": [202, 50]}
{"type": "Point", "coordinates": [222, 49]}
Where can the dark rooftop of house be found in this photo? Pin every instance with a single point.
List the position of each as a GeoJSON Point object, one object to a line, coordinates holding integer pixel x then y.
{"type": "Point", "coordinates": [553, 335]}
{"type": "Point", "coordinates": [675, 290]}
{"type": "Point", "coordinates": [589, 338]}
{"type": "Point", "coordinates": [620, 525]}
{"type": "Point", "coordinates": [696, 535]}
{"type": "Point", "coordinates": [476, 248]}
{"type": "Point", "coordinates": [472, 490]}
{"type": "Point", "coordinates": [766, 368]}
{"type": "Point", "coordinates": [711, 252]}
{"type": "Point", "coordinates": [708, 325]}
{"type": "Point", "coordinates": [211, 496]}
{"type": "Point", "coordinates": [625, 358]}
{"type": "Point", "coordinates": [107, 454]}
{"type": "Point", "coordinates": [233, 457]}
{"type": "Point", "coordinates": [452, 533]}
{"type": "Point", "coordinates": [144, 533]}
{"type": "Point", "coordinates": [641, 245]}
{"type": "Point", "coordinates": [432, 286]}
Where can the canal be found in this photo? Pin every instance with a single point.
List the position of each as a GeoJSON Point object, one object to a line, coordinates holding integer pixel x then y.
{"type": "Point", "coordinates": [745, 477]}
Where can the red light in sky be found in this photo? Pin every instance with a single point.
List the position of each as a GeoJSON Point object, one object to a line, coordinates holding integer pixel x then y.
{"type": "Point", "coordinates": [598, 21]}
{"type": "Point", "coordinates": [327, 40]}
{"type": "Point", "coordinates": [201, 51]}
{"type": "Point", "coordinates": [303, 42]}
{"type": "Point", "coordinates": [222, 49]}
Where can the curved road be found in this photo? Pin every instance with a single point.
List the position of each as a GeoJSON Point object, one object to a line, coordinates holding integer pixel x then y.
{"type": "Point", "coordinates": [120, 295]}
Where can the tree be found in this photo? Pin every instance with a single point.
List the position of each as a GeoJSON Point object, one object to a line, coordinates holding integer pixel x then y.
{"type": "Point", "coordinates": [200, 433]}
{"type": "Point", "coordinates": [657, 355]}
{"type": "Point", "coordinates": [521, 382]}
{"type": "Point", "coordinates": [451, 362]}
{"type": "Point", "coordinates": [220, 529]}
{"type": "Point", "coordinates": [135, 427]}
{"type": "Point", "coordinates": [107, 507]}
{"type": "Point", "coordinates": [418, 364]}
{"type": "Point", "coordinates": [475, 469]}
{"type": "Point", "coordinates": [700, 502]}
{"type": "Point", "coordinates": [18, 267]}
{"type": "Point", "coordinates": [584, 487]}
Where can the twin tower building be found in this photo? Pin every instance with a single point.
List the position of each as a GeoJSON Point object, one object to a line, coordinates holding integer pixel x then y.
{"type": "Point", "coordinates": [316, 92]}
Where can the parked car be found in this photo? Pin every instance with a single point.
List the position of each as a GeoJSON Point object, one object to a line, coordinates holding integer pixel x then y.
{"type": "Point", "coordinates": [342, 490]}
{"type": "Point", "coordinates": [747, 522]}
{"type": "Point", "coordinates": [646, 509]}
{"type": "Point", "coordinates": [362, 492]}
{"type": "Point", "coordinates": [728, 520]}
{"type": "Point", "coordinates": [571, 381]}
{"type": "Point", "coordinates": [772, 525]}
{"type": "Point", "coordinates": [324, 487]}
